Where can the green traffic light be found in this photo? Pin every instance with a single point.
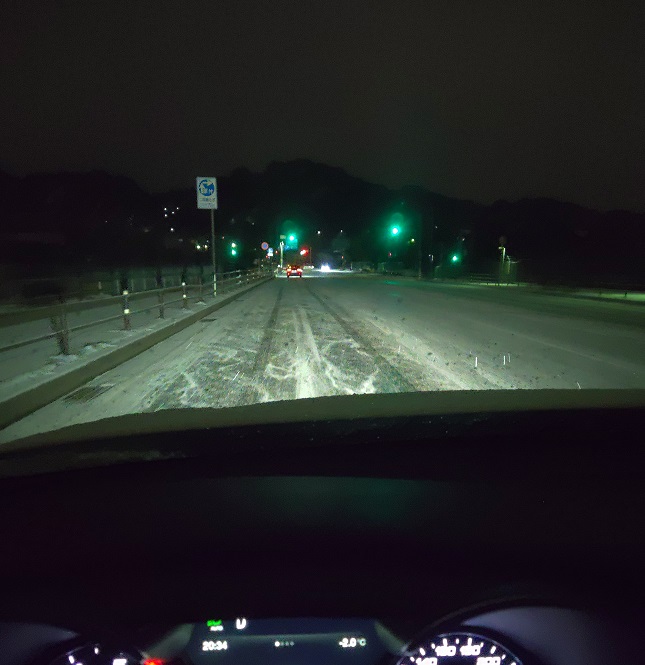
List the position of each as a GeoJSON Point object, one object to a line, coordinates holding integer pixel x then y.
{"type": "Point", "coordinates": [455, 258]}
{"type": "Point", "coordinates": [233, 252]}
{"type": "Point", "coordinates": [292, 238]}
{"type": "Point", "coordinates": [395, 230]}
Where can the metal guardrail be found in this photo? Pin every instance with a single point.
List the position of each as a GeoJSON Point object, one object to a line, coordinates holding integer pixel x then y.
{"type": "Point", "coordinates": [35, 291]}
{"type": "Point", "coordinates": [489, 278]}
{"type": "Point", "coordinates": [57, 313]}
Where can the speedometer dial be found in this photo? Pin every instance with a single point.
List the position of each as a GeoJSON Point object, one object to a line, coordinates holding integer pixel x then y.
{"type": "Point", "coordinates": [459, 649]}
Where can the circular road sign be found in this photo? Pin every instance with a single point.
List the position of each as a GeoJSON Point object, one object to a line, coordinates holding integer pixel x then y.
{"type": "Point", "coordinates": [265, 245]}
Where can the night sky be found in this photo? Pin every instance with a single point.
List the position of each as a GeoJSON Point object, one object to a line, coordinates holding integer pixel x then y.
{"type": "Point", "coordinates": [481, 100]}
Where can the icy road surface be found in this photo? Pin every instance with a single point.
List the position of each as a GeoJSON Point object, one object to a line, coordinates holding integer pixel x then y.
{"type": "Point", "coordinates": [334, 335]}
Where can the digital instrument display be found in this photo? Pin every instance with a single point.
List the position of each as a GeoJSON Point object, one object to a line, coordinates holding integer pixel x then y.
{"type": "Point", "coordinates": [286, 641]}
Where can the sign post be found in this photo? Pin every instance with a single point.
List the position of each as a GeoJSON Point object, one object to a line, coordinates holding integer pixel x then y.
{"type": "Point", "coordinates": [207, 200]}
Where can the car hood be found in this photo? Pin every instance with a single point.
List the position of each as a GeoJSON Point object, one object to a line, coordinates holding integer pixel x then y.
{"type": "Point", "coordinates": [139, 436]}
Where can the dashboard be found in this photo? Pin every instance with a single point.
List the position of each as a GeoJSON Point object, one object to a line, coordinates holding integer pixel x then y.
{"type": "Point", "coordinates": [513, 635]}
{"type": "Point", "coordinates": [388, 544]}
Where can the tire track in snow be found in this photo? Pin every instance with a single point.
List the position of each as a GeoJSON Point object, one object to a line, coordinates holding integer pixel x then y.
{"type": "Point", "coordinates": [392, 379]}
{"type": "Point", "coordinates": [252, 393]}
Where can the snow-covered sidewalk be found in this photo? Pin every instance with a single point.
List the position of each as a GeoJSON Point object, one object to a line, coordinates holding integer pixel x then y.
{"type": "Point", "coordinates": [27, 368]}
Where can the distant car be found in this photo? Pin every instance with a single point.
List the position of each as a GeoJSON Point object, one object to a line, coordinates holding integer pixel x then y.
{"type": "Point", "coordinates": [294, 271]}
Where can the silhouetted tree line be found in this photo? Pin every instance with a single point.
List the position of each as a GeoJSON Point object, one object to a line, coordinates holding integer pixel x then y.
{"type": "Point", "coordinates": [90, 220]}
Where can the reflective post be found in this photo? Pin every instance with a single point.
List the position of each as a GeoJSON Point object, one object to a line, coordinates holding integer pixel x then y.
{"type": "Point", "coordinates": [126, 311]}
{"type": "Point", "coordinates": [184, 296]}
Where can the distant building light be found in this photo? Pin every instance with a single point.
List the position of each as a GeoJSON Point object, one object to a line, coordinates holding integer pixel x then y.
{"type": "Point", "coordinates": [172, 229]}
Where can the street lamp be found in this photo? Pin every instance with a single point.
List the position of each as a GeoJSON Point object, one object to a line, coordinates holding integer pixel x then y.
{"type": "Point", "coordinates": [502, 258]}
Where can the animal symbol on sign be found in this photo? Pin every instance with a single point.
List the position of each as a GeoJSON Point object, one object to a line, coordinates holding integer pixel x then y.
{"type": "Point", "coordinates": [206, 187]}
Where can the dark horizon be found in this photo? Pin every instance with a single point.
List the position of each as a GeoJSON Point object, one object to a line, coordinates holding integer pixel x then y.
{"type": "Point", "coordinates": [473, 101]}
{"type": "Point", "coordinates": [190, 185]}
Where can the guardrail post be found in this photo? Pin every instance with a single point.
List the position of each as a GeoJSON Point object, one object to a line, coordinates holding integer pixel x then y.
{"type": "Point", "coordinates": [162, 309]}
{"type": "Point", "coordinates": [184, 296]}
{"type": "Point", "coordinates": [126, 311]}
{"type": "Point", "coordinates": [201, 289]}
{"type": "Point", "coordinates": [59, 327]}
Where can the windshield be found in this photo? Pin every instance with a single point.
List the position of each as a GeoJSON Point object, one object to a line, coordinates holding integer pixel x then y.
{"type": "Point", "coordinates": [221, 205]}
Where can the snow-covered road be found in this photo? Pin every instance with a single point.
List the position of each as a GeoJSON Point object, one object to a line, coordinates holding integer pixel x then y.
{"type": "Point", "coordinates": [336, 335]}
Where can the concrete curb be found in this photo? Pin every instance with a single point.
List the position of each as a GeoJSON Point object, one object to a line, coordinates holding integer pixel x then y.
{"type": "Point", "coordinates": [531, 288]}
{"type": "Point", "coordinates": [620, 300]}
{"type": "Point", "coordinates": [32, 399]}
